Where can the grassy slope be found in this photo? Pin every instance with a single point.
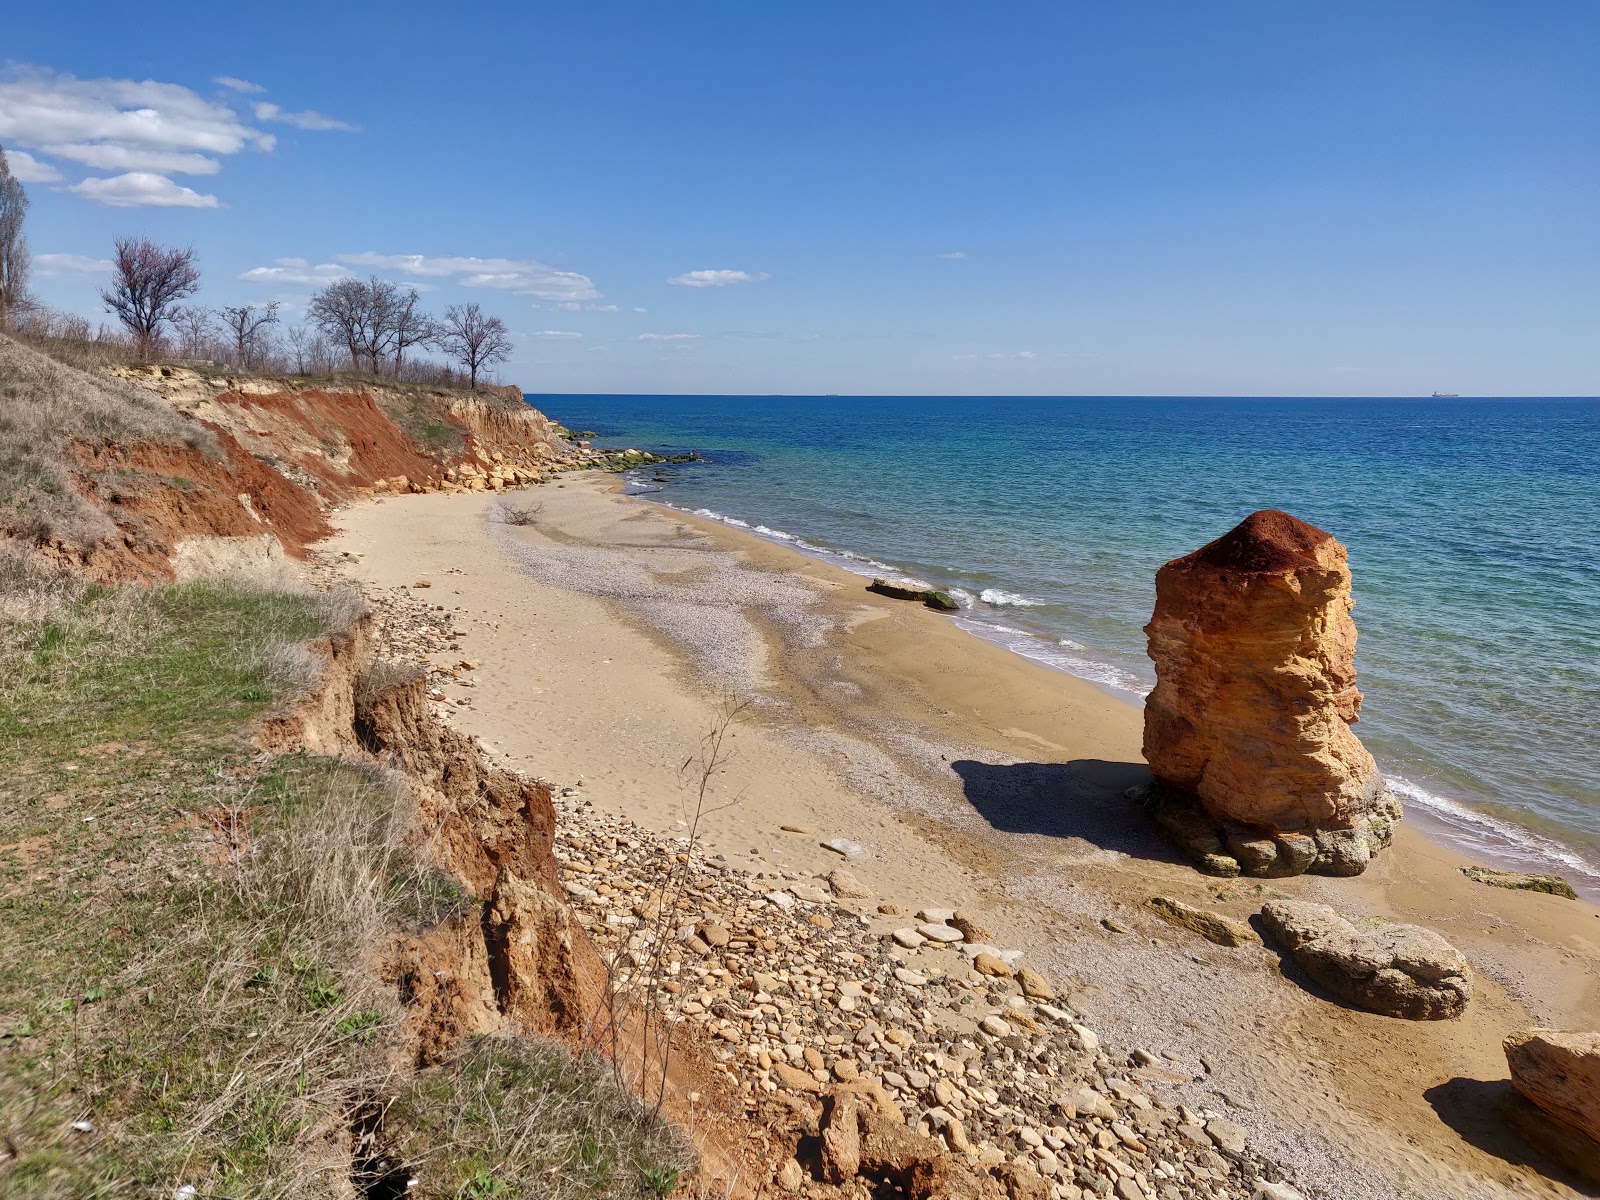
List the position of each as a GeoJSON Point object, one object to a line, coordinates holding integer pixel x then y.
{"type": "Point", "coordinates": [189, 932]}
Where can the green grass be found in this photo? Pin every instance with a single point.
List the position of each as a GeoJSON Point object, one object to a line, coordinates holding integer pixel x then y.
{"type": "Point", "coordinates": [523, 1120]}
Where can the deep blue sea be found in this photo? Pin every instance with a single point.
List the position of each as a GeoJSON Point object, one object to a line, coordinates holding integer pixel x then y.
{"type": "Point", "coordinates": [1473, 528]}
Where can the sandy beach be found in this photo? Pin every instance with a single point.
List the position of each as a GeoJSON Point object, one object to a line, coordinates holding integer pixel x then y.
{"type": "Point", "coordinates": [610, 634]}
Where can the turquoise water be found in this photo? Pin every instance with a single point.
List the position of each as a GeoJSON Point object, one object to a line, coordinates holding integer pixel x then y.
{"type": "Point", "coordinates": [1473, 528]}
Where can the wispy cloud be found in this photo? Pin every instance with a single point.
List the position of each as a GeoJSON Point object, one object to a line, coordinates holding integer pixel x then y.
{"type": "Point", "coordinates": [309, 119]}
{"type": "Point", "coordinates": [523, 277]}
{"type": "Point", "coordinates": [29, 169]}
{"type": "Point", "coordinates": [297, 271]}
{"type": "Point", "coordinates": [144, 130]}
{"type": "Point", "coordinates": [669, 337]}
{"type": "Point", "coordinates": [705, 279]}
{"type": "Point", "coordinates": [953, 255]}
{"type": "Point", "coordinates": [558, 335]}
{"type": "Point", "coordinates": [142, 189]}
{"type": "Point", "coordinates": [234, 84]}
{"type": "Point", "coordinates": [69, 264]}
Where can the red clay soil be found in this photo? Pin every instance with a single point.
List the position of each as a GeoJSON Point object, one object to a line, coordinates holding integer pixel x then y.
{"type": "Point", "coordinates": [1268, 542]}
{"type": "Point", "coordinates": [157, 494]}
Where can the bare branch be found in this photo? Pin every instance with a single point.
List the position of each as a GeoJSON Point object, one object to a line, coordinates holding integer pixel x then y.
{"type": "Point", "coordinates": [474, 340]}
{"type": "Point", "coordinates": [147, 283]}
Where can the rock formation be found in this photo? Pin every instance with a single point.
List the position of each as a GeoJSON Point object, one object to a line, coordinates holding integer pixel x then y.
{"type": "Point", "coordinates": [1555, 1102]}
{"type": "Point", "coordinates": [1247, 732]}
{"type": "Point", "coordinates": [1397, 970]}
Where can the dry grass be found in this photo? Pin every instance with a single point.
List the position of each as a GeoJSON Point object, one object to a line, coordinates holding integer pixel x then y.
{"type": "Point", "coordinates": [44, 406]}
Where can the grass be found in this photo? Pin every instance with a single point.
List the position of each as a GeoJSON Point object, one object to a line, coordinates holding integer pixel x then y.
{"type": "Point", "coordinates": [191, 932]}
{"type": "Point", "coordinates": [44, 406]}
{"type": "Point", "coordinates": [524, 1120]}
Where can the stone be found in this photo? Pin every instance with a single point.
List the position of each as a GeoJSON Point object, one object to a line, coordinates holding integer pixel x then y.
{"type": "Point", "coordinates": [988, 964]}
{"type": "Point", "coordinates": [1034, 985]}
{"type": "Point", "coordinates": [971, 928]}
{"type": "Point", "coordinates": [791, 1176]}
{"type": "Point", "coordinates": [939, 933]}
{"type": "Point", "coordinates": [994, 1026]}
{"type": "Point", "coordinates": [1277, 1191]}
{"type": "Point", "coordinates": [909, 938]}
{"type": "Point", "coordinates": [1552, 885]}
{"type": "Point", "coordinates": [1247, 732]}
{"type": "Point", "coordinates": [1086, 1102]}
{"type": "Point", "coordinates": [939, 916]}
{"type": "Point", "coordinates": [1560, 1072]}
{"type": "Point", "coordinates": [1226, 1135]}
{"type": "Point", "coordinates": [910, 978]}
{"type": "Point", "coordinates": [1573, 1149]}
{"type": "Point", "coordinates": [1214, 927]}
{"type": "Point", "coordinates": [891, 910]}
{"type": "Point", "coordinates": [845, 847]}
{"type": "Point", "coordinates": [780, 900]}
{"type": "Point", "coordinates": [847, 887]}
{"type": "Point", "coordinates": [811, 895]}
{"type": "Point", "coordinates": [1396, 970]}
{"type": "Point", "coordinates": [714, 935]}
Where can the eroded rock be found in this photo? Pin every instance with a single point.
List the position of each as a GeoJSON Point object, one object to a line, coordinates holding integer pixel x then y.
{"type": "Point", "coordinates": [1560, 1072]}
{"type": "Point", "coordinates": [1247, 732]}
{"type": "Point", "coordinates": [1396, 970]}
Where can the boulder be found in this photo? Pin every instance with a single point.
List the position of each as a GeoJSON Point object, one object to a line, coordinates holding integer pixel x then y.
{"type": "Point", "coordinates": [1247, 733]}
{"type": "Point", "coordinates": [1560, 1073]}
{"type": "Point", "coordinates": [1396, 970]}
{"type": "Point", "coordinates": [910, 589]}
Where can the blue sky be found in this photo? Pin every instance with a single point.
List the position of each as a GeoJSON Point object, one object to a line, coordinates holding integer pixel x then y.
{"type": "Point", "coordinates": [879, 196]}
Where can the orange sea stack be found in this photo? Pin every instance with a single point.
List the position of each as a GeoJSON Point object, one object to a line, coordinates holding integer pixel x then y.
{"type": "Point", "coordinates": [1247, 732]}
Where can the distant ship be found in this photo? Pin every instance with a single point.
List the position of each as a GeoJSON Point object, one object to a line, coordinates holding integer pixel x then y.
{"type": "Point", "coordinates": [1447, 396]}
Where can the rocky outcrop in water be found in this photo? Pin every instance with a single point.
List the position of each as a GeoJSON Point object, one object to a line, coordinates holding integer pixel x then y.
{"type": "Point", "coordinates": [1247, 732]}
{"type": "Point", "coordinates": [1397, 970]}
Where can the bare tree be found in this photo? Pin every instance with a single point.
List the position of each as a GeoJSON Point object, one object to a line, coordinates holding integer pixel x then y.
{"type": "Point", "coordinates": [195, 330]}
{"type": "Point", "coordinates": [361, 314]}
{"type": "Point", "coordinates": [412, 327]}
{"type": "Point", "coordinates": [299, 339]}
{"type": "Point", "coordinates": [474, 340]}
{"type": "Point", "coordinates": [249, 326]}
{"type": "Point", "coordinates": [147, 283]}
{"type": "Point", "coordinates": [14, 258]}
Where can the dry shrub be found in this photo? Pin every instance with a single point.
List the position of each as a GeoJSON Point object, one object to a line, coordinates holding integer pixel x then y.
{"type": "Point", "coordinates": [519, 512]}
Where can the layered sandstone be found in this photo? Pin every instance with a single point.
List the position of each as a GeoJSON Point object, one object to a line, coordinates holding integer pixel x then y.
{"type": "Point", "coordinates": [1554, 1102]}
{"type": "Point", "coordinates": [1247, 732]}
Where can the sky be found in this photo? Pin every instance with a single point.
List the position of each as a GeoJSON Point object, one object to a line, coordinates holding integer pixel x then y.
{"type": "Point", "coordinates": [1152, 197]}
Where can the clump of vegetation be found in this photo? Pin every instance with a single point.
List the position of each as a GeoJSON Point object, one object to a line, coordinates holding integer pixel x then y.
{"type": "Point", "coordinates": [517, 1118]}
{"type": "Point", "coordinates": [518, 511]}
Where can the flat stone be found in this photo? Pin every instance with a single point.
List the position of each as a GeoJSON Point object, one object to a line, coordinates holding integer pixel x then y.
{"type": "Point", "coordinates": [845, 847]}
{"type": "Point", "coordinates": [939, 933]}
{"type": "Point", "coordinates": [910, 978]}
{"type": "Point", "coordinates": [1226, 1135]}
{"type": "Point", "coordinates": [994, 1026]}
{"type": "Point", "coordinates": [939, 916]}
{"type": "Point", "coordinates": [1214, 927]}
{"type": "Point", "coordinates": [811, 895]}
{"type": "Point", "coordinates": [909, 938]}
{"type": "Point", "coordinates": [780, 900]}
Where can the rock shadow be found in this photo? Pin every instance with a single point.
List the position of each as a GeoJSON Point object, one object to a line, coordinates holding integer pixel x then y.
{"type": "Point", "coordinates": [1082, 799]}
{"type": "Point", "coordinates": [1475, 1109]}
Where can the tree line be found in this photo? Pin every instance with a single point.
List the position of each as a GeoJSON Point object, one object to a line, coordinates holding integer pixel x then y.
{"type": "Point", "coordinates": [365, 326]}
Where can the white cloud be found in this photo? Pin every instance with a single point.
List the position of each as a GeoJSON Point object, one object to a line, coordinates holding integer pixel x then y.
{"type": "Point", "coordinates": [558, 334]}
{"type": "Point", "coordinates": [640, 310]}
{"type": "Point", "coordinates": [705, 279]}
{"type": "Point", "coordinates": [954, 255]}
{"type": "Point", "coordinates": [522, 277]}
{"type": "Point", "coordinates": [668, 337]}
{"type": "Point", "coordinates": [141, 189]}
{"type": "Point", "coordinates": [234, 83]}
{"type": "Point", "coordinates": [308, 119]}
{"type": "Point", "coordinates": [296, 271]}
{"type": "Point", "coordinates": [29, 169]}
{"type": "Point", "coordinates": [144, 129]}
{"type": "Point", "coordinates": [109, 156]}
{"type": "Point", "coordinates": [69, 264]}
{"type": "Point", "coordinates": [1026, 355]}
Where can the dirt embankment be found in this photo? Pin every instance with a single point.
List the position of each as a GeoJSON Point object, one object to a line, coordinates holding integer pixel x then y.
{"type": "Point", "coordinates": [281, 454]}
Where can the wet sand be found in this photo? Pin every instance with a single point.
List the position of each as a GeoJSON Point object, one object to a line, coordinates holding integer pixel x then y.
{"type": "Point", "coordinates": [612, 633]}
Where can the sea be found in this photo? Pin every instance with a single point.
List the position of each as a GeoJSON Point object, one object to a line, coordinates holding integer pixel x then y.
{"type": "Point", "coordinates": [1473, 527]}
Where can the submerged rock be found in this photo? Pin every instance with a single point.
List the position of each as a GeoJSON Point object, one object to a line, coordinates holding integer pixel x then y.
{"type": "Point", "coordinates": [1247, 732]}
{"type": "Point", "coordinates": [1396, 970]}
{"type": "Point", "coordinates": [1552, 885]}
{"type": "Point", "coordinates": [908, 589]}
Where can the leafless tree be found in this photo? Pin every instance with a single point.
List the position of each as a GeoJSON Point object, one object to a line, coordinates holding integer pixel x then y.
{"type": "Point", "coordinates": [195, 330]}
{"type": "Point", "coordinates": [147, 282]}
{"type": "Point", "coordinates": [299, 339]}
{"type": "Point", "coordinates": [249, 327]}
{"type": "Point", "coordinates": [14, 258]}
{"type": "Point", "coordinates": [474, 340]}
{"type": "Point", "coordinates": [412, 327]}
{"type": "Point", "coordinates": [360, 313]}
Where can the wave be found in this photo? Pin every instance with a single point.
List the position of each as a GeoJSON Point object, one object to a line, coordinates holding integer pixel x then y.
{"type": "Point", "coordinates": [1487, 836]}
{"type": "Point", "coordinates": [1004, 599]}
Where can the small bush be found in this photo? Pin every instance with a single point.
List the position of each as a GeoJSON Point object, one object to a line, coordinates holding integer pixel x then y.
{"type": "Point", "coordinates": [519, 512]}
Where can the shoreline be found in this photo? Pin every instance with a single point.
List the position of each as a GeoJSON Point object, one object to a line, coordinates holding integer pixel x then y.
{"type": "Point", "coordinates": [1453, 823]}
{"type": "Point", "coordinates": [976, 779]}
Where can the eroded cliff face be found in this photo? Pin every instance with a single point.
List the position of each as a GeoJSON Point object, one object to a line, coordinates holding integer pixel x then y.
{"type": "Point", "coordinates": [1248, 729]}
{"type": "Point", "coordinates": [280, 454]}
